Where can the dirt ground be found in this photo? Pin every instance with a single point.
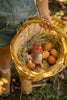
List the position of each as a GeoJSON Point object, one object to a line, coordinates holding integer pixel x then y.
{"type": "Point", "coordinates": [55, 88]}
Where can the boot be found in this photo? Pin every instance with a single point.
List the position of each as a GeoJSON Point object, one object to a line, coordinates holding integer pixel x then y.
{"type": "Point", "coordinates": [5, 84]}
{"type": "Point", "coordinates": [26, 85]}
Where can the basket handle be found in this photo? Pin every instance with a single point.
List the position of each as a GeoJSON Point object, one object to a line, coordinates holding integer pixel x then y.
{"type": "Point", "coordinates": [37, 20]}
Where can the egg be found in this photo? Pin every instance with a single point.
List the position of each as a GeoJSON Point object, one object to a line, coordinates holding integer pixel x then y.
{"type": "Point", "coordinates": [54, 53]}
{"type": "Point", "coordinates": [31, 65]}
{"type": "Point", "coordinates": [45, 54]}
{"type": "Point", "coordinates": [47, 46]}
{"type": "Point", "coordinates": [51, 60]}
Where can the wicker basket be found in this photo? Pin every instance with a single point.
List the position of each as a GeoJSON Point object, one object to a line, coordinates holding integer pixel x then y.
{"type": "Point", "coordinates": [30, 33]}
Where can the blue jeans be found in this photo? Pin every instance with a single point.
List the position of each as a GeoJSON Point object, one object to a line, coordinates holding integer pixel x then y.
{"type": "Point", "coordinates": [6, 35]}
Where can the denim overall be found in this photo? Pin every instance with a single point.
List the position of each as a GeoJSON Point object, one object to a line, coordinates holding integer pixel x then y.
{"type": "Point", "coordinates": [12, 13]}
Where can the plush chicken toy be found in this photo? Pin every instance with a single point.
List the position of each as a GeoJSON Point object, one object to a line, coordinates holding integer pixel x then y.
{"type": "Point", "coordinates": [37, 54]}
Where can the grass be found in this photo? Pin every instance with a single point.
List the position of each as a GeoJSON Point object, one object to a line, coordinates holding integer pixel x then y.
{"type": "Point", "coordinates": [48, 92]}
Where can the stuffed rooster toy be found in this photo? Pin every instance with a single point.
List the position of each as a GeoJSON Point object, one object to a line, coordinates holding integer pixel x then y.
{"type": "Point", "coordinates": [37, 54]}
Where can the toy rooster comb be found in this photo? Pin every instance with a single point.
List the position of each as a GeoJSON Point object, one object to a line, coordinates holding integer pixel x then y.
{"type": "Point", "coordinates": [38, 47]}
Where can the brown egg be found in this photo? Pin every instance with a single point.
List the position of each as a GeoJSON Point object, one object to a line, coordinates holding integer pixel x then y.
{"type": "Point", "coordinates": [47, 46]}
{"type": "Point", "coordinates": [54, 52]}
{"type": "Point", "coordinates": [31, 65]}
{"type": "Point", "coordinates": [51, 60]}
{"type": "Point", "coordinates": [45, 54]}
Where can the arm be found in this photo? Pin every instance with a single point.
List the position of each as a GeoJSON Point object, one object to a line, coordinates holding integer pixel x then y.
{"type": "Point", "coordinates": [43, 10]}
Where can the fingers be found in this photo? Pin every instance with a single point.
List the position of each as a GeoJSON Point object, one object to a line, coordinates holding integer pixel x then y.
{"type": "Point", "coordinates": [48, 20]}
{"type": "Point", "coordinates": [45, 24]}
{"type": "Point", "coordinates": [48, 23]}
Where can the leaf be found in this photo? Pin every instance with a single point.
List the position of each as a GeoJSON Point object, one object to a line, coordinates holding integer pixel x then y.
{"type": "Point", "coordinates": [63, 97]}
{"type": "Point", "coordinates": [23, 98]}
{"type": "Point", "coordinates": [37, 97]}
{"type": "Point", "coordinates": [49, 96]}
{"type": "Point", "coordinates": [54, 87]}
{"type": "Point", "coordinates": [49, 85]}
{"type": "Point", "coordinates": [57, 98]}
{"type": "Point", "coordinates": [33, 92]}
{"type": "Point", "coordinates": [44, 91]}
{"type": "Point", "coordinates": [48, 91]}
{"type": "Point", "coordinates": [36, 92]}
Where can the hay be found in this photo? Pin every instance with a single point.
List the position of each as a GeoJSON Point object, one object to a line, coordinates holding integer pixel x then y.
{"type": "Point", "coordinates": [41, 38]}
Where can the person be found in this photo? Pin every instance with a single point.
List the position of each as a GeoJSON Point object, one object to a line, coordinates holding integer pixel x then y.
{"type": "Point", "coordinates": [12, 13]}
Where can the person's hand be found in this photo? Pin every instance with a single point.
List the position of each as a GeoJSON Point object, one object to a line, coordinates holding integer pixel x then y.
{"type": "Point", "coordinates": [45, 24]}
{"type": "Point", "coordinates": [43, 10]}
